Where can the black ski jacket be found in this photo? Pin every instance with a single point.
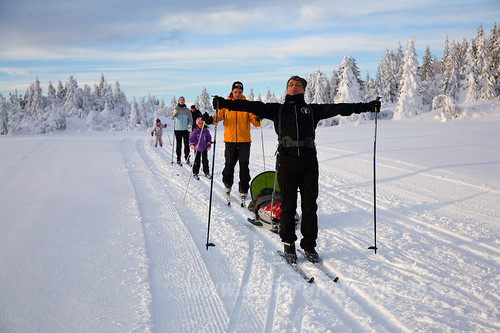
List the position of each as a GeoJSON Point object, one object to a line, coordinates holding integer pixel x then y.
{"type": "Point", "coordinates": [295, 121]}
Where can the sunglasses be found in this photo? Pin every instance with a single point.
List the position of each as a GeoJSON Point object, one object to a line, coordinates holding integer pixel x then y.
{"type": "Point", "coordinates": [238, 86]}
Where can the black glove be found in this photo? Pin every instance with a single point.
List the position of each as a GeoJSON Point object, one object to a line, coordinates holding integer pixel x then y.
{"type": "Point", "coordinates": [218, 102]}
{"type": "Point", "coordinates": [207, 119]}
{"type": "Point", "coordinates": [258, 119]}
{"type": "Point", "coordinates": [374, 106]}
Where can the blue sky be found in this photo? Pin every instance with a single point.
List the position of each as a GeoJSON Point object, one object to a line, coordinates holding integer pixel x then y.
{"type": "Point", "coordinates": [168, 48]}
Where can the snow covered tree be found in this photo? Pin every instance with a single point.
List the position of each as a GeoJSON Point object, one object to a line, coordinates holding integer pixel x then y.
{"type": "Point", "coordinates": [3, 116]}
{"type": "Point", "coordinates": [250, 95]}
{"type": "Point", "coordinates": [205, 102]}
{"type": "Point", "coordinates": [471, 90]}
{"type": "Point", "coordinates": [56, 119]}
{"type": "Point", "coordinates": [173, 103]}
{"type": "Point", "coordinates": [133, 119]}
{"type": "Point", "coordinates": [370, 92]}
{"type": "Point", "coordinates": [15, 114]}
{"type": "Point", "coordinates": [485, 75]}
{"type": "Point", "coordinates": [334, 83]}
{"type": "Point", "coordinates": [270, 97]}
{"type": "Point", "coordinates": [451, 83]}
{"type": "Point", "coordinates": [449, 109]}
{"type": "Point", "coordinates": [73, 99]}
{"type": "Point", "coordinates": [51, 94]}
{"type": "Point", "coordinates": [321, 88]}
{"type": "Point", "coordinates": [121, 103]}
{"type": "Point", "coordinates": [309, 91]}
{"type": "Point", "coordinates": [61, 92]}
{"type": "Point", "coordinates": [409, 100]}
{"type": "Point", "coordinates": [34, 101]}
{"type": "Point", "coordinates": [350, 86]}
{"type": "Point", "coordinates": [386, 82]}
{"type": "Point", "coordinates": [493, 47]}
{"type": "Point", "coordinates": [426, 73]}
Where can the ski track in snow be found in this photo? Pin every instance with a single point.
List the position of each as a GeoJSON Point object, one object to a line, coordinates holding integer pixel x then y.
{"type": "Point", "coordinates": [178, 301]}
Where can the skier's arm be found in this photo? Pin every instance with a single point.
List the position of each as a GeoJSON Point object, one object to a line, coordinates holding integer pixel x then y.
{"type": "Point", "coordinates": [254, 120]}
{"type": "Point", "coordinates": [323, 111]}
{"type": "Point", "coordinates": [259, 109]}
{"type": "Point", "coordinates": [174, 113]}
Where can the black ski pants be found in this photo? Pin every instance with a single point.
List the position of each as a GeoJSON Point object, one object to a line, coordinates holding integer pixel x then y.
{"type": "Point", "coordinates": [237, 151]}
{"type": "Point", "coordinates": [299, 173]}
{"type": "Point", "coordinates": [179, 136]}
{"type": "Point", "coordinates": [204, 158]}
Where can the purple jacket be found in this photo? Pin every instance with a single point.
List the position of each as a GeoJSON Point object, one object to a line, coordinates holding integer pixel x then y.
{"type": "Point", "coordinates": [205, 141]}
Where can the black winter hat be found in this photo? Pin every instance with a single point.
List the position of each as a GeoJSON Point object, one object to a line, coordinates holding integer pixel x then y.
{"type": "Point", "coordinates": [237, 85]}
{"type": "Point", "coordinates": [299, 79]}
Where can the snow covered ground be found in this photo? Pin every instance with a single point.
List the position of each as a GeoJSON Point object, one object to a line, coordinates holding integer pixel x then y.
{"type": "Point", "coordinates": [96, 235]}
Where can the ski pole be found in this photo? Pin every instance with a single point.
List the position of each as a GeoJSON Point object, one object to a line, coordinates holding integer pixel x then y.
{"type": "Point", "coordinates": [274, 189]}
{"type": "Point", "coordinates": [262, 139]}
{"type": "Point", "coordinates": [192, 166]}
{"type": "Point", "coordinates": [169, 140]}
{"type": "Point", "coordinates": [173, 145]}
{"type": "Point", "coordinates": [374, 247]}
{"type": "Point", "coordinates": [212, 179]}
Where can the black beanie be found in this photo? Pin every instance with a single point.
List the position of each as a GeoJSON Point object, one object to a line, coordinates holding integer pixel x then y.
{"type": "Point", "coordinates": [297, 78]}
{"type": "Point", "coordinates": [237, 85]}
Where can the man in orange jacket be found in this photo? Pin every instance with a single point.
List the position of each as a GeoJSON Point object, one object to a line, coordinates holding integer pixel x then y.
{"type": "Point", "coordinates": [237, 140]}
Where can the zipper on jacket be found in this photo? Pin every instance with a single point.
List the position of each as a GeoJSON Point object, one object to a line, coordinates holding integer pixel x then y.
{"type": "Point", "coordinates": [297, 127]}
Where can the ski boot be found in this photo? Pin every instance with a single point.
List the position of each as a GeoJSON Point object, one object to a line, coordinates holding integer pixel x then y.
{"type": "Point", "coordinates": [208, 176]}
{"type": "Point", "coordinates": [195, 176]}
{"type": "Point", "coordinates": [290, 254]}
{"type": "Point", "coordinates": [228, 194]}
{"type": "Point", "coordinates": [312, 255]}
{"type": "Point", "coordinates": [243, 196]}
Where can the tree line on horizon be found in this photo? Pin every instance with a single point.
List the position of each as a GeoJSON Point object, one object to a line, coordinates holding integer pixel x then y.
{"type": "Point", "coordinates": [468, 71]}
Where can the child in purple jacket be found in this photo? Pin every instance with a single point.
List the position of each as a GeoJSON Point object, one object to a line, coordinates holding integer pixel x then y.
{"type": "Point", "coordinates": [201, 151]}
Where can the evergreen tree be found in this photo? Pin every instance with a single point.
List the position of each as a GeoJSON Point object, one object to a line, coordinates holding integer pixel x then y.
{"type": "Point", "coordinates": [493, 47]}
{"type": "Point", "coordinates": [51, 94]}
{"type": "Point", "coordinates": [61, 92]}
{"type": "Point", "coordinates": [409, 101]}
{"type": "Point", "coordinates": [250, 95]}
{"type": "Point", "coordinates": [133, 119]}
{"type": "Point", "coordinates": [334, 83]}
{"type": "Point", "coordinates": [121, 103]}
{"type": "Point", "coordinates": [310, 89]}
{"type": "Point", "coordinates": [370, 92]}
{"type": "Point", "coordinates": [451, 83]}
{"type": "Point", "coordinates": [88, 103]}
{"type": "Point", "coordinates": [322, 88]}
{"type": "Point", "coordinates": [485, 75]}
{"type": "Point", "coordinates": [173, 103]}
{"type": "Point", "coordinates": [426, 73]}
{"type": "Point", "coordinates": [73, 100]}
{"type": "Point", "coordinates": [205, 102]}
{"type": "Point", "coordinates": [4, 120]}
{"type": "Point", "coordinates": [472, 91]}
{"type": "Point", "coordinates": [386, 79]}
{"type": "Point", "coordinates": [350, 86]}
{"type": "Point", "coordinates": [56, 120]}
